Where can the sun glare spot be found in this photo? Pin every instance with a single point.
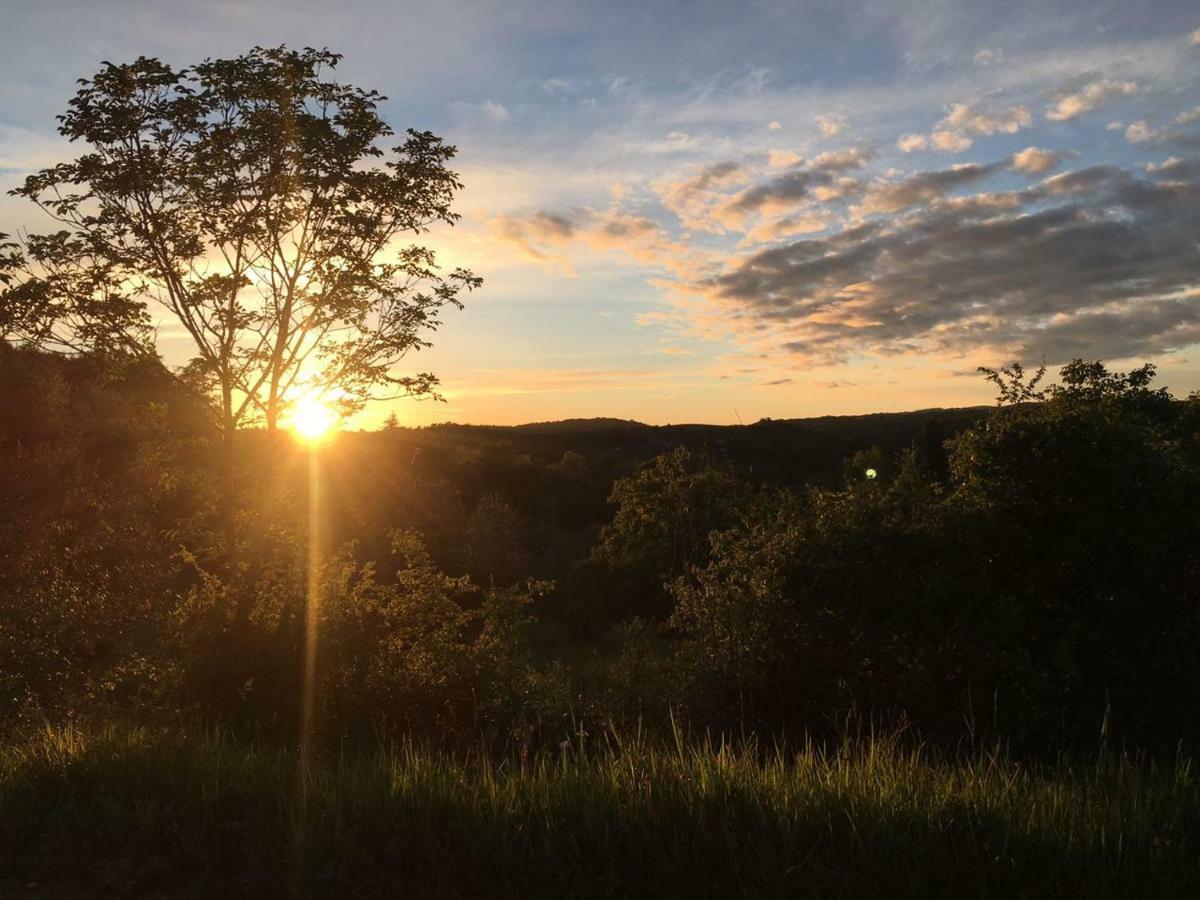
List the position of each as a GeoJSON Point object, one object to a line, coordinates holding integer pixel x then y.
{"type": "Point", "coordinates": [313, 419]}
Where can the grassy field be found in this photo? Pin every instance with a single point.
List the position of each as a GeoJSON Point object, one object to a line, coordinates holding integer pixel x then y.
{"type": "Point", "coordinates": [132, 812]}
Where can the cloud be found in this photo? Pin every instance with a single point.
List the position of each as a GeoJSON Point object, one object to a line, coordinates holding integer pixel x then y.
{"type": "Point", "coordinates": [773, 126]}
{"type": "Point", "coordinates": [560, 86]}
{"type": "Point", "coordinates": [545, 236]}
{"type": "Point", "coordinates": [1176, 169]}
{"type": "Point", "coordinates": [831, 126]}
{"type": "Point", "coordinates": [531, 233]}
{"type": "Point", "coordinates": [1194, 38]}
{"type": "Point", "coordinates": [977, 119]}
{"type": "Point", "coordinates": [488, 110]}
{"type": "Point", "coordinates": [694, 198]}
{"type": "Point", "coordinates": [1139, 132]}
{"type": "Point", "coordinates": [1070, 105]}
{"type": "Point", "coordinates": [1098, 262]}
{"type": "Point", "coordinates": [988, 57]}
{"type": "Point", "coordinates": [1035, 161]}
{"type": "Point", "coordinates": [673, 144]}
{"type": "Point", "coordinates": [953, 132]}
{"type": "Point", "coordinates": [789, 226]}
{"type": "Point", "coordinates": [910, 142]}
{"type": "Point", "coordinates": [922, 187]}
{"type": "Point", "coordinates": [494, 111]}
{"type": "Point", "coordinates": [1189, 117]}
{"type": "Point", "coordinates": [950, 141]}
{"type": "Point", "coordinates": [799, 183]}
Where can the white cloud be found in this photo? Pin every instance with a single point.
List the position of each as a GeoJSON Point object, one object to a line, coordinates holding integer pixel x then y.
{"type": "Point", "coordinates": [950, 141]}
{"type": "Point", "coordinates": [970, 117]}
{"type": "Point", "coordinates": [773, 126]}
{"type": "Point", "coordinates": [1194, 39]}
{"type": "Point", "coordinates": [1139, 132]}
{"type": "Point", "coordinates": [953, 132]}
{"type": "Point", "coordinates": [1074, 104]}
{"type": "Point", "coordinates": [1034, 160]}
{"type": "Point", "coordinates": [988, 57]}
{"type": "Point", "coordinates": [910, 142]}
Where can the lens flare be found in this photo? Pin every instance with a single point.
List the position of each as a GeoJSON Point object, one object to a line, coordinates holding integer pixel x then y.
{"type": "Point", "coordinates": [308, 687]}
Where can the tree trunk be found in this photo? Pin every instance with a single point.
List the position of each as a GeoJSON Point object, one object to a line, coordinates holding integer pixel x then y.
{"type": "Point", "coordinates": [273, 412]}
{"type": "Point", "coordinates": [233, 574]}
{"type": "Point", "coordinates": [228, 487]}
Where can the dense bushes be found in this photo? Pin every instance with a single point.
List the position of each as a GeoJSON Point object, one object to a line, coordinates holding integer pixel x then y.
{"type": "Point", "coordinates": [1049, 588]}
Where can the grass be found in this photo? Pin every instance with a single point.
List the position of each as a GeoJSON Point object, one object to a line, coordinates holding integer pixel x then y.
{"type": "Point", "coordinates": [152, 813]}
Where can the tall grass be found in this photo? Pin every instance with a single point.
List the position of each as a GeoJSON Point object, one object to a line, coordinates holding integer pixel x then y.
{"type": "Point", "coordinates": [140, 812]}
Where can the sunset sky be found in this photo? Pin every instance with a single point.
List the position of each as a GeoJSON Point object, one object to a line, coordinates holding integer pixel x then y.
{"type": "Point", "coordinates": [706, 212]}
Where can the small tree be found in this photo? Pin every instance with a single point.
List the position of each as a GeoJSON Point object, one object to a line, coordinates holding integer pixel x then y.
{"type": "Point", "coordinates": [665, 511]}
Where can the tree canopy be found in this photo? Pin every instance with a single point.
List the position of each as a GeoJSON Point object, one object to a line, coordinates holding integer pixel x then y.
{"type": "Point", "coordinates": [254, 202]}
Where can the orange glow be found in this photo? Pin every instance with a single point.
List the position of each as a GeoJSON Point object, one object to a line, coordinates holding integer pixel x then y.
{"type": "Point", "coordinates": [312, 419]}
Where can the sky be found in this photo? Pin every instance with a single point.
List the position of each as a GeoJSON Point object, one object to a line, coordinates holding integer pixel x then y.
{"type": "Point", "coordinates": [719, 212]}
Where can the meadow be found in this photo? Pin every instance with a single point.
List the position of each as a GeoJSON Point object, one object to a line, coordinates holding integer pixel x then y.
{"type": "Point", "coordinates": [132, 811]}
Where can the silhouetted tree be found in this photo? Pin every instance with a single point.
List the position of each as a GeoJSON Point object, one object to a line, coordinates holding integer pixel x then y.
{"type": "Point", "coordinates": [250, 199]}
{"type": "Point", "coordinates": [1014, 385]}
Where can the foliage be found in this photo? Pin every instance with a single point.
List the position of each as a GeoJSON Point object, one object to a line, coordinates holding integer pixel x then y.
{"type": "Point", "coordinates": [250, 199]}
{"type": "Point", "coordinates": [664, 514]}
{"type": "Point", "coordinates": [95, 485]}
{"type": "Point", "coordinates": [1018, 593]}
{"type": "Point", "coordinates": [1063, 557]}
{"type": "Point", "coordinates": [493, 542]}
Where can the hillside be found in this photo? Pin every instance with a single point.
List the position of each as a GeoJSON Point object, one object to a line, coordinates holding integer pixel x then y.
{"type": "Point", "coordinates": [785, 451]}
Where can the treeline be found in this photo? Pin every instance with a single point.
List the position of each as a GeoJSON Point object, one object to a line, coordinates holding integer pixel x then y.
{"type": "Point", "coordinates": [1029, 575]}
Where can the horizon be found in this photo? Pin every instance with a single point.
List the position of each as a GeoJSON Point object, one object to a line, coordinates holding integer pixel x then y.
{"type": "Point", "coordinates": [743, 214]}
{"type": "Point", "coordinates": [682, 424]}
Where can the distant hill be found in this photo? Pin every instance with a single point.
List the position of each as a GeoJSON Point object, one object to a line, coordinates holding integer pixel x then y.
{"type": "Point", "coordinates": [584, 425]}
{"type": "Point", "coordinates": [787, 451]}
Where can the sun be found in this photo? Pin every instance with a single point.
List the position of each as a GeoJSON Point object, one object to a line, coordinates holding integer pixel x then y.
{"type": "Point", "coordinates": [313, 419]}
